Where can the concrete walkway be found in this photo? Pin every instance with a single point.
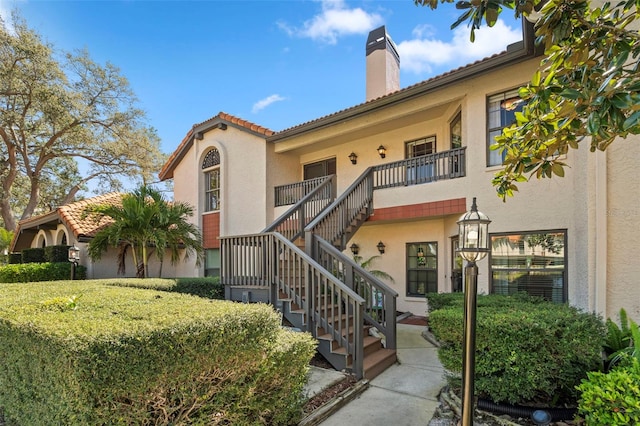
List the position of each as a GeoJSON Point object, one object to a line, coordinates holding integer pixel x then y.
{"type": "Point", "coordinates": [406, 394]}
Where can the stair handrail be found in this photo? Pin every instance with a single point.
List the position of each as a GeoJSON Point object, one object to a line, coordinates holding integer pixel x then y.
{"type": "Point", "coordinates": [380, 299]}
{"type": "Point", "coordinates": [291, 223]}
{"type": "Point", "coordinates": [259, 266]}
{"type": "Point", "coordinates": [332, 222]}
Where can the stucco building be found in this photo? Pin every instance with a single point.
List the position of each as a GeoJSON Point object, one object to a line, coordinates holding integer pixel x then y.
{"type": "Point", "coordinates": [569, 239]}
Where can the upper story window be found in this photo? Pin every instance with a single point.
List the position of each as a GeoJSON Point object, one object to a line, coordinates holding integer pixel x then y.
{"type": "Point", "coordinates": [420, 147]}
{"type": "Point", "coordinates": [211, 167]}
{"type": "Point", "coordinates": [420, 170]}
{"type": "Point", "coordinates": [501, 113]}
{"type": "Point", "coordinates": [455, 130]}
{"type": "Point", "coordinates": [320, 168]}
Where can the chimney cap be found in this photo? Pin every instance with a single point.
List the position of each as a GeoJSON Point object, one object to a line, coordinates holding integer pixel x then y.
{"type": "Point", "coordinates": [379, 40]}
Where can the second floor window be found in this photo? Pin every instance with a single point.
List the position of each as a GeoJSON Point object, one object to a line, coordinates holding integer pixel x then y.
{"type": "Point", "coordinates": [501, 113]}
{"type": "Point", "coordinates": [211, 167]}
{"type": "Point", "coordinates": [455, 129]}
{"type": "Point", "coordinates": [421, 170]}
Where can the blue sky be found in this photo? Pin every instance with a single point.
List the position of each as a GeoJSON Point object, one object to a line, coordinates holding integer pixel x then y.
{"type": "Point", "coordinates": [275, 63]}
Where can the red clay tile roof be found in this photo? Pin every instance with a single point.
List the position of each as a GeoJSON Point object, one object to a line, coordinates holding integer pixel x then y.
{"type": "Point", "coordinates": [167, 170]}
{"type": "Point", "coordinates": [71, 216]}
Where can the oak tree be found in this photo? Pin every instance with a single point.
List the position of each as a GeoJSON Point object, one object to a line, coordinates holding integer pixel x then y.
{"type": "Point", "coordinates": [65, 121]}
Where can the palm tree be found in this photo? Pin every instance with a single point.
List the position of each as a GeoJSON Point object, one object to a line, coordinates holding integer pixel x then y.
{"type": "Point", "coordinates": [143, 224]}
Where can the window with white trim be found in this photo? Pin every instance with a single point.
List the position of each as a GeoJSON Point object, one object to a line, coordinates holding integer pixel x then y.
{"type": "Point", "coordinates": [211, 167]}
{"type": "Point", "coordinates": [501, 113]}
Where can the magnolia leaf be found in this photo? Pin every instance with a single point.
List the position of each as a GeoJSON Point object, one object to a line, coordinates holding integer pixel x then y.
{"type": "Point", "coordinates": [558, 169]}
{"type": "Point", "coordinates": [632, 121]}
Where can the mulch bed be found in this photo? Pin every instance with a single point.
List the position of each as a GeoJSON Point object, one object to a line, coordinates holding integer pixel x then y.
{"type": "Point", "coordinates": [414, 320]}
{"type": "Point", "coordinates": [328, 394]}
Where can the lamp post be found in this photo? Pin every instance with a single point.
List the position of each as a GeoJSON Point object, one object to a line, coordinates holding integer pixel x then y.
{"type": "Point", "coordinates": [74, 257]}
{"type": "Point", "coordinates": [473, 228]}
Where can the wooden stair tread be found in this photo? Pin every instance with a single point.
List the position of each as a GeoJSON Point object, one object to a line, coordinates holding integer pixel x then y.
{"type": "Point", "coordinates": [368, 341]}
{"type": "Point", "coordinates": [378, 361]}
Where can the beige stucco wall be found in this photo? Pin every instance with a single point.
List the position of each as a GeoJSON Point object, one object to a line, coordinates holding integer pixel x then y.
{"type": "Point", "coordinates": [622, 215]}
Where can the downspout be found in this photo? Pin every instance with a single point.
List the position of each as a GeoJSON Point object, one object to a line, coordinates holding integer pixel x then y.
{"type": "Point", "coordinates": [601, 225]}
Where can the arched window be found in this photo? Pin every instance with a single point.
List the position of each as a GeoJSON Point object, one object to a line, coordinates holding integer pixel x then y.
{"type": "Point", "coordinates": [211, 167]}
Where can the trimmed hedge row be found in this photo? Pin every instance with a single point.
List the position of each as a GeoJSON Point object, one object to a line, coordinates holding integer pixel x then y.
{"type": "Point", "coordinates": [32, 272]}
{"type": "Point", "coordinates": [207, 287]}
{"type": "Point", "coordinates": [82, 352]}
{"type": "Point", "coordinates": [59, 253]}
{"type": "Point", "coordinates": [526, 351]}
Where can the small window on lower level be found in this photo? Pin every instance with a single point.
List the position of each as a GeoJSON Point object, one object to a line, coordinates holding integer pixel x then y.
{"type": "Point", "coordinates": [422, 268]}
{"type": "Point", "coordinates": [212, 263]}
{"type": "Point", "coordinates": [531, 262]}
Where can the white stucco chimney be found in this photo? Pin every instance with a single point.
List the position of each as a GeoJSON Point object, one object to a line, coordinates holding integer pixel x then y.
{"type": "Point", "coordinates": [383, 64]}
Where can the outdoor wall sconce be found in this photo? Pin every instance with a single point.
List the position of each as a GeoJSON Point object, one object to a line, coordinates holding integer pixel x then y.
{"type": "Point", "coordinates": [353, 157]}
{"type": "Point", "coordinates": [381, 247]}
{"type": "Point", "coordinates": [382, 151]}
{"type": "Point", "coordinates": [355, 249]}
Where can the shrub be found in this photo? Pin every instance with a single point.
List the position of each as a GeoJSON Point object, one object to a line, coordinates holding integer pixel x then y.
{"type": "Point", "coordinates": [525, 350]}
{"type": "Point", "coordinates": [437, 301]}
{"type": "Point", "coordinates": [56, 253]}
{"type": "Point", "coordinates": [208, 287]}
{"type": "Point", "coordinates": [32, 272]}
{"type": "Point", "coordinates": [622, 340]}
{"type": "Point", "coordinates": [613, 398]}
{"type": "Point", "coordinates": [15, 258]}
{"type": "Point", "coordinates": [33, 255]}
{"type": "Point", "coordinates": [85, 352]}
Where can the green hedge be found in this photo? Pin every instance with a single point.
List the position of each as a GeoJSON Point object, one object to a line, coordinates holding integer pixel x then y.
{"type": "Point", "coordinates": [612, 399]}
{"type": "Point", "coordinates": [15, 258]}
{"type": "Point", "coordinates": [437, 301]}
{"type": "Point", "coordinates": [208, 287]}
{"type": "Point", "coordinates": [33, 255]}
{"type": "Point", "coordinates": [525, 351]}
{"type": "Point", "coordinates": [32, 272]}
{"type": "Point", "coordinates": [56, 254]}
{"type": "Point", "coordinates": [82, 352]}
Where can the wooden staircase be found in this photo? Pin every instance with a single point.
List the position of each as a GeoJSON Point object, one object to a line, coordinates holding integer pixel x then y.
{"type": "Point", "coordinates": [318, 288]}
{"type": "Point", "coordinates": [376, 359]}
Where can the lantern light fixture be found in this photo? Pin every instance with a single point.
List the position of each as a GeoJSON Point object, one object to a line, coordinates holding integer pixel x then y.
{"type": "Point", "coordinates": [355, 249]}
{"type": "Point", "coordinates": [473, 234]}
{"type": "Point", "coordinates": [381, 247]}
{"type": "Point", "coordinates": [473, 244]}
{"type": "Point", "coordinates": [382, 151]}
{"type": "Point", "coordinates": [353, 157]}
{"type": "Point", "coordinates": [74, 258]}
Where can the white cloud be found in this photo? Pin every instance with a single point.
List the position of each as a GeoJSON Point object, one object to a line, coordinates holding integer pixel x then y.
{"type": "Point", "coordinates": [421, 55]}
{"type": "Point", "coordinates": [263, 103]}
{"type": "Point", "coordinates": [335, 20]}
{"type": "Point", "coordinates": [6, 7]}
